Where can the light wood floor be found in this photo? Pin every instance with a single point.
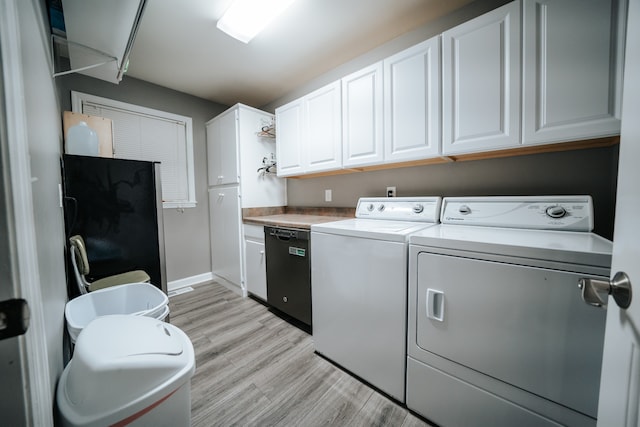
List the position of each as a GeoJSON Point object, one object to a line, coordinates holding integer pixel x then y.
{"type": "Point", "coordinates": [255, 369]}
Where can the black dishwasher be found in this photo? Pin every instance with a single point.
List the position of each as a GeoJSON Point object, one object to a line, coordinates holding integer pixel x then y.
{"type": "Point", "coordinates": [289, 272]}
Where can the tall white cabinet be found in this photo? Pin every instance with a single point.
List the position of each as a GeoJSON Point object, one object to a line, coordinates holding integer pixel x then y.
{"type": "Point", "coordinates": [222, 159]}
{"type": "Point", "coordinates": [235, 152]}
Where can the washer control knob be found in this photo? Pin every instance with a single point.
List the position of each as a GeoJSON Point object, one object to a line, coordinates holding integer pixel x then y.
{"type": "Point", "coordinates": [556, 211]}
{"type": "Point", "coordinates": [285, 299]}
{"type": "Point", "coordinates": [418, 208]}
{"type": "Point", "coordinates": [381, 207]}
{"type": "Point", "coordinates": [464, 210]}
{"type": "Point", "coordinates": [370, 207]}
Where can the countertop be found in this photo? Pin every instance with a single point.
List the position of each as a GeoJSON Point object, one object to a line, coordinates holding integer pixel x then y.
{"type": "Point", "coordinates": [302, 221]}
{"type": "Point", "coordinates": [294, 217]}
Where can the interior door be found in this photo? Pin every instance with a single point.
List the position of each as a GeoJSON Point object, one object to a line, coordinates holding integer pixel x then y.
{"type": "Point", "coordinates": [12, 400]}
{"type": "Point", "coordinates": [619, 403]}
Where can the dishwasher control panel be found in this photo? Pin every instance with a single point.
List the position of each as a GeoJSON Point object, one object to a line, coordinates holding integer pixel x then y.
{"type": "Point", "coordinates": [422, 209]}
{"type": "Point", "coordinates": [569, 213]}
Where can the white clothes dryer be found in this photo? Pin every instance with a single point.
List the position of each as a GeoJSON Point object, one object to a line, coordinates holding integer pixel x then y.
{"type": "Point", "coordinates": [498, 333]}
{"type": "Point", "coordinates": [359, 287]}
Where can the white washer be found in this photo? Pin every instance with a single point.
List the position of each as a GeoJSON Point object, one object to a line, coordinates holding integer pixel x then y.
{"type": "Point", "coordinates": [359, 287]}
{"type": "Point", "coordinates": [498, 333]}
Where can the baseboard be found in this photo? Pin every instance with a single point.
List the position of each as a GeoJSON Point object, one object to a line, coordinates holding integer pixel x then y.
{"type": "Point", "coordinates": [229, 285]}
{"type": "Point", "coordinates": [189, 281]}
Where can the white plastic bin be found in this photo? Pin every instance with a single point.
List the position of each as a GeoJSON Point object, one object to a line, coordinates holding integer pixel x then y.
{"type": "Point", "coordinates": [128, 370]}
{"type": "Point", "coordinates": [142, 299]}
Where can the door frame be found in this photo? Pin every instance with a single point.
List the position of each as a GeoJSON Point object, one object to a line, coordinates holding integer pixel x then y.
{"type": "Point", "coordinates": [37, 387]}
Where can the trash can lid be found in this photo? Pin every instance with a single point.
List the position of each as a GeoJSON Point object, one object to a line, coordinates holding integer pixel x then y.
{"type": "Point", "coordinates": [113, 337]}
{"type": "Point", "coordinates": [120, 358]}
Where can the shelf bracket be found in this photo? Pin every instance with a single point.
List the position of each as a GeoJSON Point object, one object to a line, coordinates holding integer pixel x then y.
{"type": "Point", "coordinates": [61, 49]}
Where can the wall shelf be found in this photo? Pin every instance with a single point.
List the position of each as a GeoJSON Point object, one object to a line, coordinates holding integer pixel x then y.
{"type": "Point", "coordinates": [520, 151]}
{"type": "Point", "coordinates": [84, 57]}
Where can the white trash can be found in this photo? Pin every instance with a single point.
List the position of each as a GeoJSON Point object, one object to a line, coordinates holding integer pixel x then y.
{"type": "Point", "coordinates": [140, 299]}
{"type": "Point", "coordinates": [129, 371]}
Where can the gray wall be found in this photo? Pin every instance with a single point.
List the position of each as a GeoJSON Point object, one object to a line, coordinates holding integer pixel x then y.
{"type": "Point", "coordinates": [186, 233]}
{"type": "Point", "coordinates": [44, 138]}
{"type": "Point", "coordinates": [592, 171]}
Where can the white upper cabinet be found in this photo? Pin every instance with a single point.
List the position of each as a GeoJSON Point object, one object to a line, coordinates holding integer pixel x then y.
{"type": "Point", "coordinates": [289, 139]}
{"type": "Point", "coordinates": [222, 149]}
{"type": "Point", "coordinates": [412, 103]}
{"type": "Point", "coordinates": [322, 129]}
{"type": "Point", "coordinates": [362, 117]}
{"type": "Point", "coordinates": [481, 83]}
{"type": "Point", "coordinates": [572, 70]}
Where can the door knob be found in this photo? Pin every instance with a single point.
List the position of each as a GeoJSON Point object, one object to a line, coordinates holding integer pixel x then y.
{"type": "Point", "coordinates": [619, 287]}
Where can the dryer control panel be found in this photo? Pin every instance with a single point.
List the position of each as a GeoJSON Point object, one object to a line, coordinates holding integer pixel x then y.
{"type": "Point", "coordinates": [571, 213]}
{"type": "Point", "coordinates": [423, 209]}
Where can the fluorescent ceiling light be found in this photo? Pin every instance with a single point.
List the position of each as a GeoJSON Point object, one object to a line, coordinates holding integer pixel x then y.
{"type": "Point", "coordinates": [246, 18]}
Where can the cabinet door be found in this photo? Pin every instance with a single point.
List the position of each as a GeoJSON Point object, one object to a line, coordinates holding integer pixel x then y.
{"type": "Point", "coordinates": [323, 128]}
{"type": "Point", "coordinates": [222, 149]}
{"type": "Point", "coordinates": [213, 152]}
{"type": "Point", "coordinates": [571, 70]}
{"type": "Point", "coordinates": [362, 117]}
{"type": "Point", "coordinates": [412, 103]}
{"type": "Point", "coordinates": [256, 268]}
{"type": "Point", "coordinates": [481, 83]}
{"type": "Point", "coordinates": [224, 209]}
{"type": "Point", "coordinates": [289, 139]}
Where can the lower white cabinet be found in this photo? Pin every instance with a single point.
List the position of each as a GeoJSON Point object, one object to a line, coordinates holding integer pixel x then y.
{"type": "Point", "coordinates": [255, 261]}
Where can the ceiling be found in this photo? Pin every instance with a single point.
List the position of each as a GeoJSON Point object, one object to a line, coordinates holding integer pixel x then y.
{"type": "Point", "coordinates": [178, 45]}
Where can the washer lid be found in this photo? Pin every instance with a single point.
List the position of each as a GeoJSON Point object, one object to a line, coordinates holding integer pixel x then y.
{"type": "Point", "coordinates": [394, 231]}
{"type": "Point", "coordinates": [562, 246]}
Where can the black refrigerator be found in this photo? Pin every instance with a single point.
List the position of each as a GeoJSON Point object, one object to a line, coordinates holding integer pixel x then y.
{"type": "Point", "coordinates": [116, 206]}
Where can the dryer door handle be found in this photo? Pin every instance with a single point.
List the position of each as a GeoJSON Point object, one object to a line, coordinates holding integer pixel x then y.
{"type": "Point", "coordinates": [435, 305]}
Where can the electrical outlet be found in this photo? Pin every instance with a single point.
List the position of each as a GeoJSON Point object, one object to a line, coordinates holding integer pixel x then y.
{"type": "Point", "coordinates": [391, 191]}
{"type": "Point", "coordinates": [327, 195]}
